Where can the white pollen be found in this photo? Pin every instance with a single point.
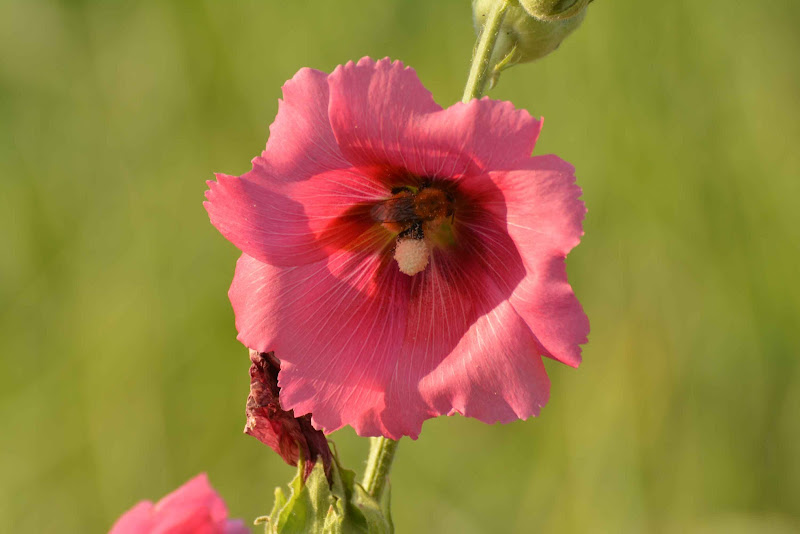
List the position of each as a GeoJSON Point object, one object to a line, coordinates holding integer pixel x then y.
{"type": "Point", "coordinates": [412, 255]}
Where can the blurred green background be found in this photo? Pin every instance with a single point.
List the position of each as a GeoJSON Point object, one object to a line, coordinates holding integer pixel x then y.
{"type": "Point", "coordinates": [121, 377]}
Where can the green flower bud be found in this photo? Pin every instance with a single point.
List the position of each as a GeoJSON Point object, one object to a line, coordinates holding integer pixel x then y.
{"type": "Point", "coordinates": [525, 35]}
{"type": "Point", "coordinates": [553, 9]}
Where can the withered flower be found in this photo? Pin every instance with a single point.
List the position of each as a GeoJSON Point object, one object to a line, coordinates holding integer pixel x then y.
{"type": "Point", "coordinates": [280, 429]}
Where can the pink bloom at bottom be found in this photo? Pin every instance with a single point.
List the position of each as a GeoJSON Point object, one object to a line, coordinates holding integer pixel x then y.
{"type": "Point", "coordinates": [403, 261]}
{"type": "Point", "coordinates": [194, 508]}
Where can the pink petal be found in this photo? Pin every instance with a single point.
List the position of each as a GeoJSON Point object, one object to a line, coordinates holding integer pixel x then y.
{"type": "Point", "coordinates": [495, 374]}
{"type": "Point", "coordinates": [236, 526]}
{"type": "Point", "coordinates": [383, 115]}
{"type": "Point", "coordinates": [462, 340]}
{"type": "Point", "coordinates": [372, 104]}
{"type": "Point", "coordinates": [187, 521]}
{"type": "Point", "coordinates": [137, 520]}
{"type": "Point", "coordinates": [294, 223]}
{"type": "Point", "coordinates": [336, 326]}
{"type": "Point", "coordinates": [196, 493]}
{"type": "Point", "coordinates": [544, 215]}
{"type": "Point", "coordinates": [301, 142]}
{"type": "Point", "coordinates": [357, 339]}
{"type": "Point", "coordinates": [258, 212]}
{"type": "Point", "coordinates": [493, 132]}
{"type": "Point", "coordinates": [194, 508]}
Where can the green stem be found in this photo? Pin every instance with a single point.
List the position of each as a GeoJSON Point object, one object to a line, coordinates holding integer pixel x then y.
{"type": "Point", "coordinates": [481, 66]}
{"type": "Point", "coordinates": [379, 463]}
{"type": "Point", "coordinates": [382, 450]}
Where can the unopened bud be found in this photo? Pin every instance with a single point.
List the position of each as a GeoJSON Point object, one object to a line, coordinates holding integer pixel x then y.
{"type": "Point", "coordinates": [553, 9]}
{"type": "Point", "coordinates": [530, 30]}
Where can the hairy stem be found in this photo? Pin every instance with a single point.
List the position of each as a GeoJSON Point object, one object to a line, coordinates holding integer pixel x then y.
{"type": "Point", "coordinates": [481, 67]}
{"type": "Point", "coordinates": [379, 463]}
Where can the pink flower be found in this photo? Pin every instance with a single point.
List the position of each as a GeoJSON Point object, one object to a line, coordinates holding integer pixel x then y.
{"type": "Point", "coordinates": [281, 430]}
{"type": "Point", "coordinates": [403, 261]}
{"type": "Point", "coordinates": [194, 508]}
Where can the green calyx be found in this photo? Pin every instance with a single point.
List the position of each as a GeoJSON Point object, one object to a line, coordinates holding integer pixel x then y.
{"type": "Point", "coordinates": [321, 506]}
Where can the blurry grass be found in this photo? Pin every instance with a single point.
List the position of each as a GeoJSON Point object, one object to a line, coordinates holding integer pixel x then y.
{"type": "Point", "coordinates": [120, 376]}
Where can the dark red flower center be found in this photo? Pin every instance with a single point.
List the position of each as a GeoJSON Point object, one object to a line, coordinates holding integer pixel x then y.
{"type": "Point", "coordinates": [422, 215]}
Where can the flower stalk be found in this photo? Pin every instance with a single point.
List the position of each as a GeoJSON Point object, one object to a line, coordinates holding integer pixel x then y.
{"type": "Point", "coordinates": [379, 464]}
{"type": "Point", "coordinates": [481, 67]}
{"type": "Point", "coordinates": [382, 450]}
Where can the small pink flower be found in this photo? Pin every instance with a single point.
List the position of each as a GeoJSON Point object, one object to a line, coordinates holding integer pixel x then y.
{"type": "Point", "coordinates": [194, 508]}
{"type": "Point", "coordinates": [403, 261]}
{"type": "Point", "coordinates": [278, 428]}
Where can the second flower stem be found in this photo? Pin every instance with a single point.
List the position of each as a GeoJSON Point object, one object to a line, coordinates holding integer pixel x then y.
{"type": "Point", "coordinates": [481, 66]}
{"type": "Point", "coordinates": [379, 463]}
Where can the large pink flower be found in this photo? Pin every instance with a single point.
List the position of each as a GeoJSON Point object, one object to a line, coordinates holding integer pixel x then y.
{"type": "Point", "coordinates": [364, 175]}
{"type": "Point", "coordinates": [194, 508]}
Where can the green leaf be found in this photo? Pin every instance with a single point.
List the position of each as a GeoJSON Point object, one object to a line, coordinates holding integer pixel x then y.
{"type": "Point", "coordinates": [361, 514]}
{"type": "Point", "coordinates": [280, 502]}
{"type": "Point", "coordinates": [386, 505]}
{"type": "Point", "coordinates": [307, 508]}
{"type": "Point", "coordinates": [370, 510]}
